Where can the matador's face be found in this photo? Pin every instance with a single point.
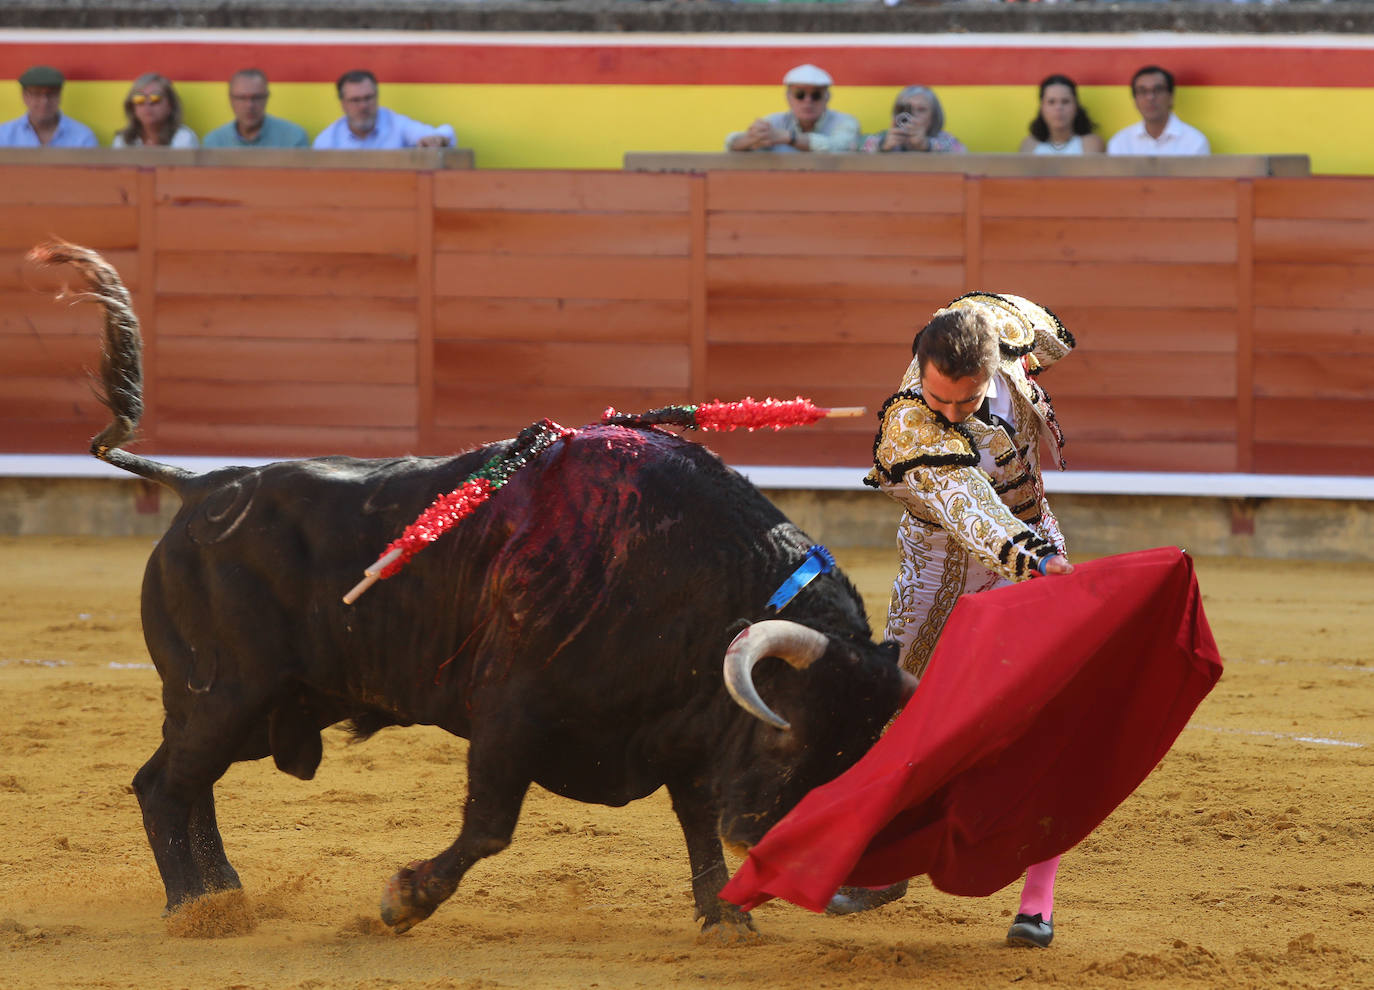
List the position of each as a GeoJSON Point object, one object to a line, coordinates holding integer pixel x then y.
{"type": "Point", "coordinates": [956, 399]}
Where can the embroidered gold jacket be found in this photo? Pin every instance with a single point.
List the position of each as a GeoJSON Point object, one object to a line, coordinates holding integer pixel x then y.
{"type": "Point", "coordinates": [980, 481]}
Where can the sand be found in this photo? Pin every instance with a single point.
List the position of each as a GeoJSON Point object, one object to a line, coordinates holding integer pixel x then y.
{"type": "Point", "coordinates": [1245, 860]}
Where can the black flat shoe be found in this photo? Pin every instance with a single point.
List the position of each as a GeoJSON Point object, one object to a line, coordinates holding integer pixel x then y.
{"type": "Point", "coordinates": [1031, 931]}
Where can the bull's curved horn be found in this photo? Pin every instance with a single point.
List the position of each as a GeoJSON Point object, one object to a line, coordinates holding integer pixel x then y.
{"type": "Point", "coordinates": [793, 642]}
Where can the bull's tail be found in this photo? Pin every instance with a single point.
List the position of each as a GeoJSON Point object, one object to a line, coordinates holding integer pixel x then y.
{"type": "Point", "coordinates": [120, 388]}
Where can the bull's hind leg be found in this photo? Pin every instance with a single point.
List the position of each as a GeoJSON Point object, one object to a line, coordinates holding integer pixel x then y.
{"type": "Point", "coordinates": [175, 793]}
{"type": "Point", "coordinates": [496, 789]}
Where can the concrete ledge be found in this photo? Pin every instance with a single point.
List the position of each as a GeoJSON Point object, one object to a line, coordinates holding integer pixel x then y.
{"type": "Point", "coordinates": [845, 17]}
{"type": "Point", "coordinates": [980, 163]}
{"type": "Point", "coordinates": [1273, 526]}
{"type": "Point", "coordinates": [1149, 483]}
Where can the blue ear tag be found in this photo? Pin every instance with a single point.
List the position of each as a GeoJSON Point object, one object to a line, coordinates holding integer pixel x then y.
{"type": "Point", "coordinates": [818, 561]}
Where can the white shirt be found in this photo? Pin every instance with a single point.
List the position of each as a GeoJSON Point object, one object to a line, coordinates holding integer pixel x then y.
{"type": "Point", "coordinates": [183, 138]}
{"type": "Point", "coordinates": [1177, 138]}
{"type": "Point", "coordinates": [392, 130]}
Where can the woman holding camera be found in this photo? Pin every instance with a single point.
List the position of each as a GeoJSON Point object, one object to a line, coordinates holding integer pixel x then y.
{"type": "Point", "coordinates": [1062, 127]}
{"type": "Point", "coordinates": [918, 124]}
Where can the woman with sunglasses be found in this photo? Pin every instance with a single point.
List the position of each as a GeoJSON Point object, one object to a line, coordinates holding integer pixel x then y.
{"type": "Point", "coordinates": [153, 112]}
{"type": "Point", "coordinates": [808, 124]}
{"type": "Point", "coordinates": [918, 124]}
{"type": "Point", "coordinates": [1062, 127]}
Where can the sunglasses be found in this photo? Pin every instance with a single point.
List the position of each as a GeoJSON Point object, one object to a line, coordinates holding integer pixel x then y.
{"type": "Point", "coordinates": [814, 95]}
{"type": "Point", "coordinates": [138, 99]}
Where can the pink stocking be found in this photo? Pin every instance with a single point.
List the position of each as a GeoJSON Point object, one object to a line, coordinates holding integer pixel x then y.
{"type": "Point", "coordinates": [1037, 896]}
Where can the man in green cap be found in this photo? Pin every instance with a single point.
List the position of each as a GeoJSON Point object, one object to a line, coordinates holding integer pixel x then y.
{"type": "Point", "coordinates": [45, 126]}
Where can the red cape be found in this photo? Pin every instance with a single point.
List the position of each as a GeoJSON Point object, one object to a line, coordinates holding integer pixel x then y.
{"type": "Point", "coordinates": [1044, 706]}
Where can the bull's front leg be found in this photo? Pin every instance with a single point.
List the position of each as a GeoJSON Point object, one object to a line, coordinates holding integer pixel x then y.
{"type": "Point", "coordinates": [697, 815]}
{"type": "Point", "coordinates": [489, 817]}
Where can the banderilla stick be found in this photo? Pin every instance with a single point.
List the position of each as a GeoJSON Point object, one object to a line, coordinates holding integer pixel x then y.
{"type": "Point", "coordinates": [371, 575]}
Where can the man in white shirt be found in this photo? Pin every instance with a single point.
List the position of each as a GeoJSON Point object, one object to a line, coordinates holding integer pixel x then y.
{"type": "Point", "coordinates": [44, 125]}
{"type": "Point", "coordinates": [1159, 132]}
{"type": "Point", "coordinates": [808, 123]}
{"type": "Point", "coordinates": [366, 126]}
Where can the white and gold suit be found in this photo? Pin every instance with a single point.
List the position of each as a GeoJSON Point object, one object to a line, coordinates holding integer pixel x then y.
{"type": "Point", "coordinates": [976, 515]}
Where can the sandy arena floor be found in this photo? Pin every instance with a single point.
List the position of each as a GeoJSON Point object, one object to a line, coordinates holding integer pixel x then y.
{"type": "Point", "coordinates": [1245, 861]}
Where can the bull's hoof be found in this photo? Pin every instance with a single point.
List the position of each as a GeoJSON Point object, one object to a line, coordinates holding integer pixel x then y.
{"type": "Point", "coordinates": [852, 900]}
{"type": "Point", "coordinates": [730, 931]}
{"type": "Point", "coordinates": [401, 907]}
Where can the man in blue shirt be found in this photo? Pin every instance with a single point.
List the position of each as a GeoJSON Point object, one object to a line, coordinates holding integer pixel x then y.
{"type": "Point", "coordinates": [44, 126]}
{"type": "Point", "coordinates": [365, 126]}
{"type": "Point", "coordinates": [252, 127]}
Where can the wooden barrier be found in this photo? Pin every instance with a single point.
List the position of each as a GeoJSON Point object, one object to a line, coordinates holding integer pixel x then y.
{"type": "Point", "coordinates": [1225, 324]}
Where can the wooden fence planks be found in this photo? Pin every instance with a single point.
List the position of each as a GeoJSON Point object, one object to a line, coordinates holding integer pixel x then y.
{"type": "Point", "coordinates": [291, 317]}
{"type": "Point", "coordinates": [835, 192]}
{"type": "Point", "coordinates": [103, 227]}
{"type": "Point", "coordinates": [550, 233]}
{"type": "Point", "coordinates": [1314, 286]}
{"type": "Point", "coordinates": [69, 185]}
{"type": "Point", "coordinates": [299, 404]}
{"type": "Point", "coordinates": [289, 188]}
{"type": "Point", "coordinates": [1112, 239]}
{"type": "Point", "coordinates": [312, 310]}
{"type": "Point", "coordinates": [1116, 283]}
{"type": "Point", "coordinates": [568, 276]}
{"type": "Point", "coordinates": [1324, 198]}
{"type": "Point", "coordinates": [1335, 242]}
{"type": "Point", "coordinates": [821, 321]}
{"type": "Point", "coordinates": [272, 273]}
{"type": "Point", "coordinates": [286, 361]}
{"type": "Point", "coordinates": [824, 235]}
{"type": "Point", "coordinates": [571, 191]}
{"type": "Point", "coordinates": [581, 363]}
{"type": "Point", "coordinates": [801, 280]}
{"type": "Point", "coordinates": [1120, 198]}
{"type": "Point", "coordinates": [604, 320]}
{"type": "Point", "coordinates": [281, 229]}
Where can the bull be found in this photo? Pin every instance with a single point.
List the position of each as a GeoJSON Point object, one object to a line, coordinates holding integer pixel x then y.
{"type": "Point", "coordinates": [580, 630]}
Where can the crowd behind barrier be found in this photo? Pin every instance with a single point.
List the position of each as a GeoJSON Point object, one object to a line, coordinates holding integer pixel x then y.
{"type": "Point", "coordinates": [154, 118]}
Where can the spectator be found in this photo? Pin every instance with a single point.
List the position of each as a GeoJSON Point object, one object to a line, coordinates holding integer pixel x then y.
{"type": "Point", "coordinates": [807, 124]}
{"type": "Point", "coordinates": [252, 126]}
{"type": "Point", "coordinates": [918, 124]}
{"type": "Point", "coordinates": [1062, 127]}
{"type": "Point", "coordinates": [44, 126]}
{"type": "Point", "coordinates": [365, 126]}
{"type": "Point", "coordinates": [1159, 132]}
{"type": "Point", "coordinates": [153, 112]}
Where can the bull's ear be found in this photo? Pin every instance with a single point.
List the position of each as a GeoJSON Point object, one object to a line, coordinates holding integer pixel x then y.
{"type": "Point", "coordinates": [892, 649]}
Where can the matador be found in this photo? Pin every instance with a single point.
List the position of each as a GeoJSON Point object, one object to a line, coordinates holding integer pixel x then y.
{"type": "Point", "coordinates": [959, 447]}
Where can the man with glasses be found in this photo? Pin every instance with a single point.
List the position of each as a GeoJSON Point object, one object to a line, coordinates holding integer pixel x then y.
{"type": "Point", "coordinates": [44, 125]}
{"type": "Point", "coordinates": [1159, 132]}
{"type": "Point", "coordinates": [252, 126]}
{"type": "Point", "coordinates": [806, 125]}
{"type": "Point", "coordinates": [366, 126]}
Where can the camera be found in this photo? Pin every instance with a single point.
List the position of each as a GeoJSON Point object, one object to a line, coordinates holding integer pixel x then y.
{"type": "Point", "coordinates": [902, 119]}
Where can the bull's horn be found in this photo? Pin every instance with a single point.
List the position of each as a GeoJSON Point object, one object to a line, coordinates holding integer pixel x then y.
{"type": "Point", "coordinates": [799, 645]}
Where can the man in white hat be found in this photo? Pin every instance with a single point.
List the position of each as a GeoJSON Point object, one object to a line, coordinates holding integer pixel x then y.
{"type": "Point", "coordinates": [44, 125]}
{"type": "Point", "coordinates": [806, 124]}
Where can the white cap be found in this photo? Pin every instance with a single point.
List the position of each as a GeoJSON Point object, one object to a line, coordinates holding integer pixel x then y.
{"type": "Point", "coordinates": [807, 75]}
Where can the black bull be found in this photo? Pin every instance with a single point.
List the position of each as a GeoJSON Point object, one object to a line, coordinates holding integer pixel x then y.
{"type": "Point", "coordinates": [573, 629]}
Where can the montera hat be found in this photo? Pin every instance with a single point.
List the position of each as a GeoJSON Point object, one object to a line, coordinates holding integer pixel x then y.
{"type": "Point", "coordinates": [807, 75]}
{"type": "Point", "coordinates": [42, 75]}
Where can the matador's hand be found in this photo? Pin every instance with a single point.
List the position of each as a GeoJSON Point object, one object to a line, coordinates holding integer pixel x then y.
{"type": "Point", "coordinates": [1058, 565]}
